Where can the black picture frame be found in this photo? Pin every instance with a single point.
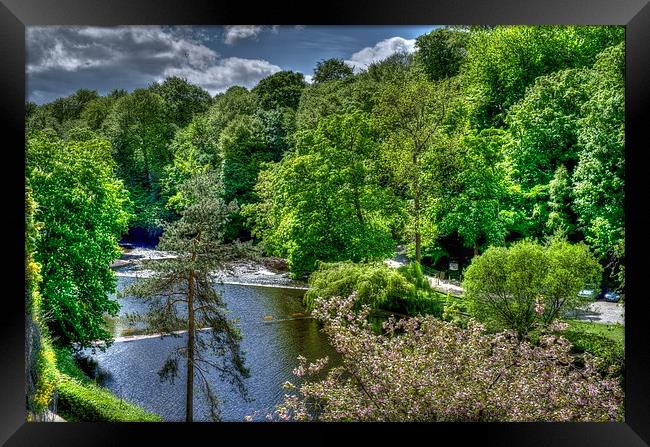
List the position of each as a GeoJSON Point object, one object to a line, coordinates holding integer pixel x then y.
{"type": "Point", "coordinates": [16, 14]}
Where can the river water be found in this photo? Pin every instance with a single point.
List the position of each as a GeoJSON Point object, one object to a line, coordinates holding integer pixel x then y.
{"type": "Point", "coordinates": [276, 330]}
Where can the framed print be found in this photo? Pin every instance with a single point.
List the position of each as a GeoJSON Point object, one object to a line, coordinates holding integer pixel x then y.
{"type": "Point", "coordinates": [357, 219]}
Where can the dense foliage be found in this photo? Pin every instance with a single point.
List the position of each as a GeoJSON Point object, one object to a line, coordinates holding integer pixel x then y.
{"type": "Point", "coordinates": [81, 205]}
{"type": "Point", "coordinates": [424, 369]}
{"type": "Point", "coordinates": [404, 290]}
{"type": "Point", "coordinates": [483, 136]}
{"type": "Point", "coordinates": [527, 285]}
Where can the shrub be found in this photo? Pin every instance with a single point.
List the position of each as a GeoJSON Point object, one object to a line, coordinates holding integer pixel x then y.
{"type": "Point", "coordinates": [425, 369]}
{"type": "Point", "coordinates": [611, 354]}
{"type": "Point", "coordinates": [87, 402]}
{"type": "Point", "coordinates": [527, 285]}
{"type": "Point", "coordinates": [405, 290]}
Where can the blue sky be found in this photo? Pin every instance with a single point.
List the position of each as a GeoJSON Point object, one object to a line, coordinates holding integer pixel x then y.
{"type": "Point", "coordinates": [61, 59]}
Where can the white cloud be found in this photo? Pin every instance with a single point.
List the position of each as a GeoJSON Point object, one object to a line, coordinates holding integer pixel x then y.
{"type": "Point", "coordinates": [361, 59]}
{"type": "Point", "coordinates": [73, 49]}
{"type": "Point", "coordinates": [233, 33]}
{"type": "Point", "coordinates": [226, 73]}
{"type": "Point", "coordinates": [62, 59]}
{"type": "Point", "coordinates": [309, 79]}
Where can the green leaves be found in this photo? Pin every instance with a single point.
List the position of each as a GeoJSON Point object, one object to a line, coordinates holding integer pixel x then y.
{"type": "Point", "coordinates": [527, 285]}
{"type": "Point", "coordinates": [82, 207]}
{"type": "Point", "coordinates": [442, 51]}
{"type": "Point", "coordinates": [280, 90]}
{"type": "Point", "coordinates": [321, 201]}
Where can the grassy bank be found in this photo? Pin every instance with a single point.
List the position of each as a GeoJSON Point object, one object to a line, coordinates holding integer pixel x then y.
{"type": "Point", "coordinates": [82, 400]}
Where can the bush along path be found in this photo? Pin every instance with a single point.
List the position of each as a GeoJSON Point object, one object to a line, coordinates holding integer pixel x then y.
{"type": "Point", "coordinates": [602, 312]}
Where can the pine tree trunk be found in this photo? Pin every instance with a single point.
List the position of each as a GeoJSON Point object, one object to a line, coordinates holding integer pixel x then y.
{"type": "Point", "coordinates": [417, 226]}
{"type": "Point", "coordinates": [416, 198]}
{"type": "Point", "coordinates": [190, 351]}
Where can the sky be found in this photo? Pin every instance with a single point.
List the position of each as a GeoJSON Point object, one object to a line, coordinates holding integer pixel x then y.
{"type": "Point", "coordinates": [63, 59]}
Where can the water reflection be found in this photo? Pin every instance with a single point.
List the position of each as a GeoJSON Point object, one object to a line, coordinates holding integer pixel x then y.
{"type": "Point", "coordinates": [271, 347]}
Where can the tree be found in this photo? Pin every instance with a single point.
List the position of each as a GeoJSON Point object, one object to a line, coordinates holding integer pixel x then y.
{"type": "Point", "coordinates": [181, 293]}
{"type": "Point", "coordinates": [441, 52]}
{"type": "Point", "coordinates": [139, 132]}
{"type": "Point", "coordinates": [281, 89]}
{"type": "Point", "coordinates": [96, 111]}
{"type": "Point", "coordinates": [475, 205]}
{"type": "Point", "coordinates": [182, 99]}
{"type": "Point", "coordinates": [425, 369]}
{"type": "Point", "coordinates": [195, 149]}
{"type": "Point", "coordinates": [82, 206]}
{"type": "Point", "coordinates": [394, 69]}
{"type": "Point", "coordinates": [561, 220]}
{"type": "Point", "coordinates": [243, 148]}
{"type": "Point", "coordinates": [502, 62]}
{"type": "Point", "coordinates": [527, 285]}
{"type": "Point", "coordinates": [415, 116]}
{"type": "Point", "coordinates": [330, 70]}
{"type": "Point", "coordinates": [599, 178]}
{"type": "Point", "coordinates": [404, 290]}
{"type": "Point", "coordinates": [544, 126]}
{"type": "Point", "coordinates": [41, 119]}
{"type": "Point", "coordinates": [320, 201]}
{"type": "Point", "coordinates": [70, 107]}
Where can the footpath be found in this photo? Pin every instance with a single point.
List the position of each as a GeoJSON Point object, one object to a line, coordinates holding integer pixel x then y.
{"type": "Point", "coordinates": [598, 311]}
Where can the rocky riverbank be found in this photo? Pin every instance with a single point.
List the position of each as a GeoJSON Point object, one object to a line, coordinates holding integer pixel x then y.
{"type": "Point", "coordinates": [264, 271]}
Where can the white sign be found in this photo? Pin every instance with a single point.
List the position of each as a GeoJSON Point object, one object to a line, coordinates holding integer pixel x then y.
{"type": "Point", "coordinates": [453, 266]}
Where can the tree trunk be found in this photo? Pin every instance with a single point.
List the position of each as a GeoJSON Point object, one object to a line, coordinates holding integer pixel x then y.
{"type": "Point", "coordinates": [357, 205]}
{"type": "Point", "coordinates": [416, 191]}
{"type": "Point", "coordinates": [189, 404]}
{"type": "Point", "coordinates": [475, 249]}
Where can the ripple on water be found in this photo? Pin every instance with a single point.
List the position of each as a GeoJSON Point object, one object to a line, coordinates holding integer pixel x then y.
{"type": "Point", "coordinates": [271, 349]}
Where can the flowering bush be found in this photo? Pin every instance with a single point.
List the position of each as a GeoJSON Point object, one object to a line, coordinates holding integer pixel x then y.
{"type": "Point", "coordinates": [425, 369]}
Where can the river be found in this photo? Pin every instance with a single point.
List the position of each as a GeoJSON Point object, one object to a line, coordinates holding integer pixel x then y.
{"type": "Point", "coordinates": [276, 330]}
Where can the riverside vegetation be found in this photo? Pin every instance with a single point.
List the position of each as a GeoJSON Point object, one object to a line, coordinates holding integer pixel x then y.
{"type": "Point", "coordinates": [499, 147]}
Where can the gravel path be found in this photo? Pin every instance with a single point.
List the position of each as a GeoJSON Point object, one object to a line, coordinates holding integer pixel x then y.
{"type": "Point", "coordinates": [603, 312]}
{"type": "Point", "coordinates": [598, 311]}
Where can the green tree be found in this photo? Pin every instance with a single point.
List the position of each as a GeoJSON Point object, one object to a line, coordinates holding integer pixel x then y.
{"type": "Point", "coordinates": [243, 148]}
{"type": "Point", "coordinates": [561, 219]}
{"type": "Point", "coordinates": [475, 205]}
{"type": "Point", "coordinates": [82, 209]}
{"type": "Point", "coordinates": [330, 70]}
{"type": "Point", "coordinates": [182, 99]}
{"type": "Point", "coordinates": [139, 132]}
{"type": "Point", "coordinates": [502, 62]}
{"type": "Point", "coordinates": [599, 178]}
{"type": "Point", "coordinates": [97, 110]}
{"type": "Point", "coordinates": [181, 293]}
{"type": "Point", "coordinates": [195, 149]}
{"type": "Point", "coordinates": [415, 116]}
{"type": "Point", "coordinates": [281, 89]}
{"type": "Point", "coordinates": [544, 126]}
{"type": "Point", "coordinates": [395, 69]}
{"type": "Point", "coordinates": [319, 202]}
{"type": "Point", "coordinates": [527, 285]}
{"type": "Point", "coordinates": [70, 107]}
{"type": "Point", "coordinates": [42, 119]}
{"type": "Point", "coordinates": [441, 52]}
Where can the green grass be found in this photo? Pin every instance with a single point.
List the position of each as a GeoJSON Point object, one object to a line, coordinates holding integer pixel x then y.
{"type": "Point", "coordinates": [614, 332]}
{"type": "Point", "coordinates": [82, 400]}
